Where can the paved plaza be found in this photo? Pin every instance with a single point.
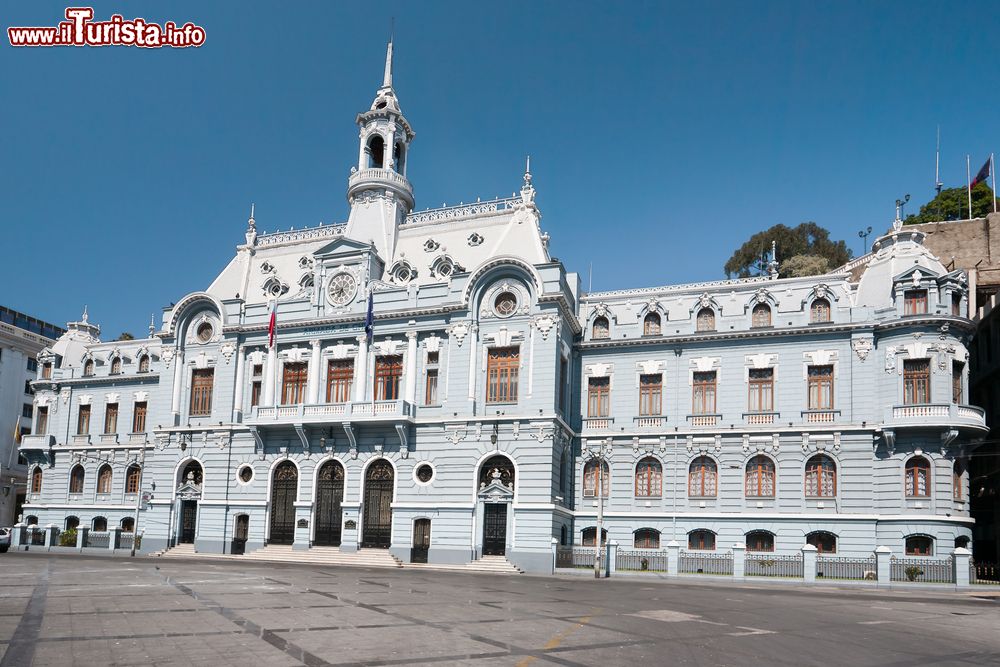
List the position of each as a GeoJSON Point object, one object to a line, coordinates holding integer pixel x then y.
{"type": "Point", "coordinates": [63, 610]}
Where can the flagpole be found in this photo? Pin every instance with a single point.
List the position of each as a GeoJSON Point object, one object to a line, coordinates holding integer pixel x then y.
{"type": "Point", "coordinates": [968, 183]}
{"type": "Point", "coordinates": [993, 172]}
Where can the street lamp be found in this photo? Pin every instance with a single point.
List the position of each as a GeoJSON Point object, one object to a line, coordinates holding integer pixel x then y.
{"type": "Point", "coordinates": [600, 456]}
{"type": "Point", "coordinates": [863, 234]}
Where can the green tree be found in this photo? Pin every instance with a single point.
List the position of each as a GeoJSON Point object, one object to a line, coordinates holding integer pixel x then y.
{"type": "Point", "coordinates": [953, 204]}
{"type": "Point", "coordinates": [802, 246]}
{"type": "Point", "coordinates": [126, 336]}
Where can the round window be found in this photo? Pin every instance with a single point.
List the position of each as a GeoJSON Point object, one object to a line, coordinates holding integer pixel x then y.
{"type": "Point", "coordinates": [425, 473]}
{"type": "Point", "coordinates": [246, 474]}
{"type": "Point", "coordinates": [205, 332]}
{"type": "Point", "coordinates": [505, 304]}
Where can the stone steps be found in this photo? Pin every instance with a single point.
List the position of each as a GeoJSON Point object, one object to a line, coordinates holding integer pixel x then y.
{"type": "Point", "coordinates": [280, 553]}
{"type": "Point", "coordinates": [491, 564]}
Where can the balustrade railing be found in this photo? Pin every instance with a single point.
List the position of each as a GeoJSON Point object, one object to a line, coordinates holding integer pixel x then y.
{"type": "Point", "coordinates": [984, 573]}
{"type": "Point", "coordinates": [598, 423]}
{"type": "Point", "coordinates": [910, 411]}
{"type": "Point", "coordinates": [756, 418]}
{"type": "Point", "coordinates": [696, 562]}
{"type": "Point", "coordinates": [758, 565]}
{"type": "Point", "coordinates": [925, 570]}
{"type": "Point", "coordinates": [820, 416]}
{"type": "Point", "coordinates": [650, 560]}
{"type": "Point", "coordinates": [321, 411]}
{"type": "Point", "coordinates": [836, 567]}
{"type": "Point", "coordinates": [649, 422]}
{"type": "Point", "coordinates": [704, 420]}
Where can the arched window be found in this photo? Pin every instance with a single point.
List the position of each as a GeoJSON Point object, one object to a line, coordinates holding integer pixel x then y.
{"type": "Point", "coordinates": [590, 479]}
{"type": "Point", "coordinates": [376, 152]}
{"type": "Point", "coordinates": [72, 522]}
{"type": "Point", "coordinates": [821, 477]}
{"type": "Point", "coordinates": [761, 315]}
{"type": "Point", "coordinates": [917, 478]}
{"type": "Point", "coordinates": [962, 542]}
{"type": "Point", "coordinates": [127, 525]}
{"type": "Point", "coordinates": [144, 363]}
{"type": "Point", "coordinates": [99, 525]}
{"type": "Point", "coordinates": [76, 477]}
{"type": "Point", "coordinates": [601, 328]}
{"type": "Point", "coordinates": [705, 320]}
{"type": "Point", "coordinates": [562, 534]}
{"type": "Point", "coordinates": [919, 545]}
{"type": "Point", "coordinates": [590, 536]}
{"type": "Point", "coordinates": [132, 479]}
{"type": "Point", "coordinates": [399, 156]}
{"type": "Point", "coordinates": [192, 473]}
{"type": "Point", "coordinates": [31, 520]}
{"type": "Point", "coordinates": [116, 366]}
{"type": "Point", "coordinates": [36, 480]}
{"type": "Point", "coordinates": [651, 325]}
{"type": "Point", "coordinates": [646, 538]}
{"type": "Point", "coordinates": [88, 368]}
{"type": "Point", "coordinates": [502, 466]}
{"type": "Point", "coordinates": [648, 478]}
{"type": "Point", "coordinates": [958, 493]}
{"type": "Point", "coordinates": [104, 477]}
{"type": "Point", "coordinates": [702, 477]}
{"type": "Point", "coordinates": [760, 540]}
{"type": "Point", "coordinates": [825, 543]}
{"type": "Point", "coordinates": [819, 311]}
{"type": "Point", "coordinates": [701, 540]}
{"type": "Point", "coordinates": [760, 477]}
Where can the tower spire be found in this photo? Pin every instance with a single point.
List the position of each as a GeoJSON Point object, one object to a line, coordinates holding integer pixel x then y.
{"type": "Point", "coordinates": [387, 78]}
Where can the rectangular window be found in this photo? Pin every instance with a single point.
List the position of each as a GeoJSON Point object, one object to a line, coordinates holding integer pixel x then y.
{"type": "Point", "coordinates": [42, 419]}
{"type": "Point", "coordinates": [916, 381]}
{"type": "Point", "coordinates": [293, 385]}
{"type": "Point", "coordinates": [563, 370]}
{"type": "Point", "coordinates": [201, 391]}
{"type": "Point", "coordinates": [915, 301]}
{"type": "Point", "coordinates": [650, 395]}
{"type": "Point", "coordinates": [47, 370]}
{"type": "Point", "coordinates": [821, 387]}
{"type": "Point", "coordinates": [27, 388]}
{"type": "Point", "coordinates": [599, 397]}
{"type": "Point", "coordinates": [26, 410]}
{"type": "Point", "coordinates": [956, 304]}
{"type": "Point", "coordinates": [502, 365]}
{"type": "Point", "coordinates": [139, 417]}
{"type": "Point", "coordinates": [256, 382]}
{"type": "Point", "coordinates": [957, 370]}
{"type": "Point", "coordinates": [32, 365]}
{"type": "Point", "coordinates": [83, 420]}
{"type": "Point", "coordinates": [431, 385]}
{"type": "Point", "coordinates": [760, 385]}
{"type": "Point", "coordinates": [339, 377]}
{"type": "Point", "coordinates": [388, 370]}
{"type": "Point", "coordinates": [111, 418]}
{"type": "Point", "coordinates": [703, 391]}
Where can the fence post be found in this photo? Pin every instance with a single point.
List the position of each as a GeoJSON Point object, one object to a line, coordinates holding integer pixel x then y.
{"type": "Point", "coordinates": [81, 537]}
{"type": "Point", "coordinates": [113, 534]}
{"type": "Point", "coordinates": [883, 565]}
{"type": "Point", "coordinates": [50, 535]}
{"type": "Point", "coordinates": [17, 537]}
{"type": "Point", "coordinates": [739, 560]}
{"type": "Point", "coordinates": [808, 563]}
{"type": "Point", "coordinates": [960, 561]}
{"type": "Point", "coordinates": [612, 558]}
{"type": "Point", "coordinates": [555, 555]}
{"type": "Point", "coordinates": [673, 558]}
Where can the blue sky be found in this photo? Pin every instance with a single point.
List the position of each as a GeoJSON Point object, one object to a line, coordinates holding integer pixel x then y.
{"type": "Point", "coordinates": [661, 134]}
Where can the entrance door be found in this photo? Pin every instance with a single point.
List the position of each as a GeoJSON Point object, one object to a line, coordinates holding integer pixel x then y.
{"type": "Point", "coordinates": [421, 540]}
{"type": "Point", "coordinates": [240, 533]}
{"type": "Point", "coordinates": [494, 529]}
{"type": "Point", "coordinates": [329, 495]}
{"type": "Point", "coordinates": [377, 519]}
{"type": "Point", "coordinates": [284, 491]}
{"type": "Point", "coordinates": [189, 520]}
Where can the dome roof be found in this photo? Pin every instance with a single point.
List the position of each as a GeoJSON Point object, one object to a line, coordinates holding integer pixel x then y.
{"type": "Point", "coordinates": [896, 254]}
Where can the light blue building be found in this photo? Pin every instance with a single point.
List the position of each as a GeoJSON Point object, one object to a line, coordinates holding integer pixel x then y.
{"type": "Point", "coordinates": [767, 412]}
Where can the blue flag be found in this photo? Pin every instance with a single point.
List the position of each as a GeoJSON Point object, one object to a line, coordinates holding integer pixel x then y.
{"type": "Point", "coordinates": [370, 318]}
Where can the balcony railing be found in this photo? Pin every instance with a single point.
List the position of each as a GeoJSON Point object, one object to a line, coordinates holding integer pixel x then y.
{"type": "Point", "coordinates": [137, 438]}
{"type": "Point", "coordinates": [927, 414]}
{"type": "Point", "coordinates": [108, 438]}
{"type": "Point", "coordinates": [598, 423]}
{"type": "Point", "coordinates": [387, 176]}
{"type": "Point", "coordinates": [650, 422]}
{"type": "Point", "coordinates": [81, 439]}
{"type": "Point", "coordinates": [756, 418]}
{"type": "Point", "coordinates": [41, 441]}
{"type": "Point", "coordinates": [326, 412]}
{"type": "Point", "coordinates": [704, 420]}
{"type": "Point", "coordinates": [820, 416]}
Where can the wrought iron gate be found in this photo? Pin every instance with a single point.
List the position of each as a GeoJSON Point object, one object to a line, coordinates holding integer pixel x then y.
{"type": "Point", "coordinates": [189, 519]}
{"type": "Point", "coordinates": [284, 488]}
{"type": "Point", "coordinates": [494, 529]}
{"type": "Point", "coordinates": [329, 495]}
{"type": "Point", "coordinates": [421, 540]}
{"type": "Point", "coordinates": [377, 519]}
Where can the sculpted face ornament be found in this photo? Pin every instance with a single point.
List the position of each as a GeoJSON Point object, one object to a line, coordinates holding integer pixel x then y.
{"type": "Point", "coordinates": [342, 289]}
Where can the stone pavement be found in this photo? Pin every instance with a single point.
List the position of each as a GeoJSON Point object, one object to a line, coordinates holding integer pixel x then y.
{"type": "Point", "coordinates": [71, 610]}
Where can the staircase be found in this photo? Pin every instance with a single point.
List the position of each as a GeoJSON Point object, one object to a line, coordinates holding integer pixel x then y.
{"type": "Point", "coordinates": [491, 564]}
{"type": "Point", "coordinates": [177, 551]}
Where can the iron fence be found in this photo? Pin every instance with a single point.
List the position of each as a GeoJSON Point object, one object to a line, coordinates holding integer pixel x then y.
{"type": "Point", "coordinates": [926, 570]}
{"type": "Point", "coordinates": [37, 537]}
{"type": "Point", "coordinates": [99, 539]}
{"type": "Point", "coordinates": [564, 557]}
{"type": "Point", "coordinates": [984, 573]}
{"type": "Point", "coordinates": [773, 566]}
{"type": "Point", "coordinates": [705, 563]}
{"type": "Point", "coordinates": [649, 560]}
{"type": "Point", "coordinates": [575, 557]}
{"type": "Point", "coordinates": [833, 567]}
{"type": "Point", "coordinates": [125, 540]}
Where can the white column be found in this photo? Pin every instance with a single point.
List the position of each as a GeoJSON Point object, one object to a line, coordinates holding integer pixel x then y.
{"type": "Point", "coordinates": [361, 369]}
{"type": "Point", "coordinates": [473, 349]}
{"type": "Point", "coordinates": [387, 152]}
{"type": "Point", "coordinates": [270, 368]}
{"type": "Point", "coordinates": [531, 357]}
{"type": "Point", "coordinates": [175, 404]}
{"type": "Point", "coordinates": [241, 363]}
{"type": "Point", "coordinates": [410, 379]}
{"type": "Point", "coordinates": [312, 382]}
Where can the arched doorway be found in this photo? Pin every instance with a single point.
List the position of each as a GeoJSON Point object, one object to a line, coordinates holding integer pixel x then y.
{"type": "Point", "coordinates": [329, 496]}
{"type": "Point", "coordinates": [284, 492]}
{"type": "Point", "coordinates": [377, 508]}
{"type": "Point", "coordinates": [188, 493]}
{"type": "Point", "coordinates": [496, 492]}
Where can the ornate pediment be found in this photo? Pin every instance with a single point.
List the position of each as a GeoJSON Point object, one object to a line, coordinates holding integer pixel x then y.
{"type": "Point", "coordinates": [495, 491]}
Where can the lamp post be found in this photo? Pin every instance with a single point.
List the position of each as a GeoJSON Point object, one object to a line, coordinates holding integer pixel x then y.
{"type": "Point", "coordinates": [863, 235]}
{"type": "Point", "coordinates": [600, 456]}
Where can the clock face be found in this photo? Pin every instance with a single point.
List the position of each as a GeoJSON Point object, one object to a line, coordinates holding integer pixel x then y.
{"type": "Point", "coordinates": [342, 289]}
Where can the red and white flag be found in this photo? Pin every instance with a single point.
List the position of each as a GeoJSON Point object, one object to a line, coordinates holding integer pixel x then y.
{"type": "Point", "coordinates": [272, 325]}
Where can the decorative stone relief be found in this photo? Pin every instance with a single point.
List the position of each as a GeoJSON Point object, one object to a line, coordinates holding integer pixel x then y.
{"type": "Point", "coordinates": [703, 364]}
{"type": "Point", "coordinates": [387, 347]}
{"type": "Point", "coordinates": [430, 245]}
{"type": "Point", "coordinates": [820, 357]}
{"type": "Point", "coordinates": [227, 349]}
{"type": "Point", "coordinates": [168, 356]}
{"type": "Point", "coordinates": [649, 367]}
{"type": "Point", "coordinates": [890, 359]}
{"type": "Point", "coordinates": [141, 396]}
{"type": "Point", "coordinates": [432, 343]}
{"type": "Point", "coordinates": [821, 442]}
{"type": "Point", "coordinates": [544, 324]}
{"type": "Point", "coordinates": [702, 445]}
{"type": "Point", "coordinates": [111, 398]}
{"type": "Point", "coordinates": [598, 370]}
{"type": "Point", "coordinates": [455, 435]}
{"type": "Point", "coordinates": [761, 443]}
{"type": "Point", "coordinates": [475, 239]}
{"type": "Point", "coordinates": [862, 347]}
{"type": "Point", "coordinates": [295, 354]}
{"type": "Point", "coordinates": [84, 399]}
{"type": "Point", "coordinates": [64, 395]}
{"type": "Point", "coordinates": [762, 360]}
{"type": "Point", "coordinates": [202, 360]}
{"type": "Point", "coordinates": [459, 332]}
{"type": "Point", "coordinates": [338, 351]}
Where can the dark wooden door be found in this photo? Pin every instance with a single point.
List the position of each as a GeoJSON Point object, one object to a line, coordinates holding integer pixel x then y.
{"type": "Point", "coordinates": [377, 520]}
{"type": "Point", "coordinates": [329, 496]}
{"type": "Point", "coordinates": [494, 529]}
{"type": "Point", "coordinates": [240, 533]}
{"type": "Point", "coordinates": [421, 540]}
{"type": "Point", "coordinates": [284, 491]}
{"type": "Point", "coordinates": [189, 520]}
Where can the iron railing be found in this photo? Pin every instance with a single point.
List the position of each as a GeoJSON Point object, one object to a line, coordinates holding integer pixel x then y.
{"type": "Point", "coordinates": [984, 573]}
{"type": "Point", "coordinates": [705, 563]}
{"type": "Point", "coordinates": [99, 539]}
{"type": "Point", "coordinates": [564, 557]}
{"type": "Point", "coordinates": [582, 557]}
{"type": "Point", "coordinates": [125, 540]}
{"type": "Point", "coordinates": [36, 537]}
{"type": "Point", "coordinates": [648, 560]}
{"type": "Point", "coordinates": [773, 566]}
{"type": "Point", "coordinates": [835, 567]}
{"type": "Point", "coordinates": [925, 570]}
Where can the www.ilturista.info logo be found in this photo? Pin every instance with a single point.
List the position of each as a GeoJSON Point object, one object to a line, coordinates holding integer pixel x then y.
{"type": "Point", "coordinates": [80, 30]}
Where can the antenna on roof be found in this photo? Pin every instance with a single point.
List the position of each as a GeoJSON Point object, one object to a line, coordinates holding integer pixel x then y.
{"type": "Point", "coordinates": [590, 279]}
{"type": "Point", "coordinates": [937, 163]}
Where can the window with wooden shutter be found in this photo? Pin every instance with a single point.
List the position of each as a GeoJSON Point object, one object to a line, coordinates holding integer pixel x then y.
{"type": "Point", "coordinates": [202, 380]}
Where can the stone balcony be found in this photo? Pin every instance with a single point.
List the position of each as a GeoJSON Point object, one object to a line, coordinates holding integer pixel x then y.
{"type": "Point", "coordinates": [388, 178]}
{"type": "Point", "coordinates": [931, 415]}
{"type": "Point", "coordinates": [37, 442]}
{"type": "Point", "coordinates": [592, 424]}
{"type": "Point", "coordinates": [327, 413]}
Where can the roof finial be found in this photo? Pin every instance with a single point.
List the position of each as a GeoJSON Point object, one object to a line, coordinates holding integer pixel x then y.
{"type": "Point", "coordinates": [84, 318]}
{"type": "Point", "coordinates": [527, 171]}
{"type": "Point", "coordinates": [251, 221]}
{"type": "Point", "coordinates": [251, 233]}
{"type": "Point", "coordinates": [152, 320]}
{"type": "Point", "coordinates": [387, 79]}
